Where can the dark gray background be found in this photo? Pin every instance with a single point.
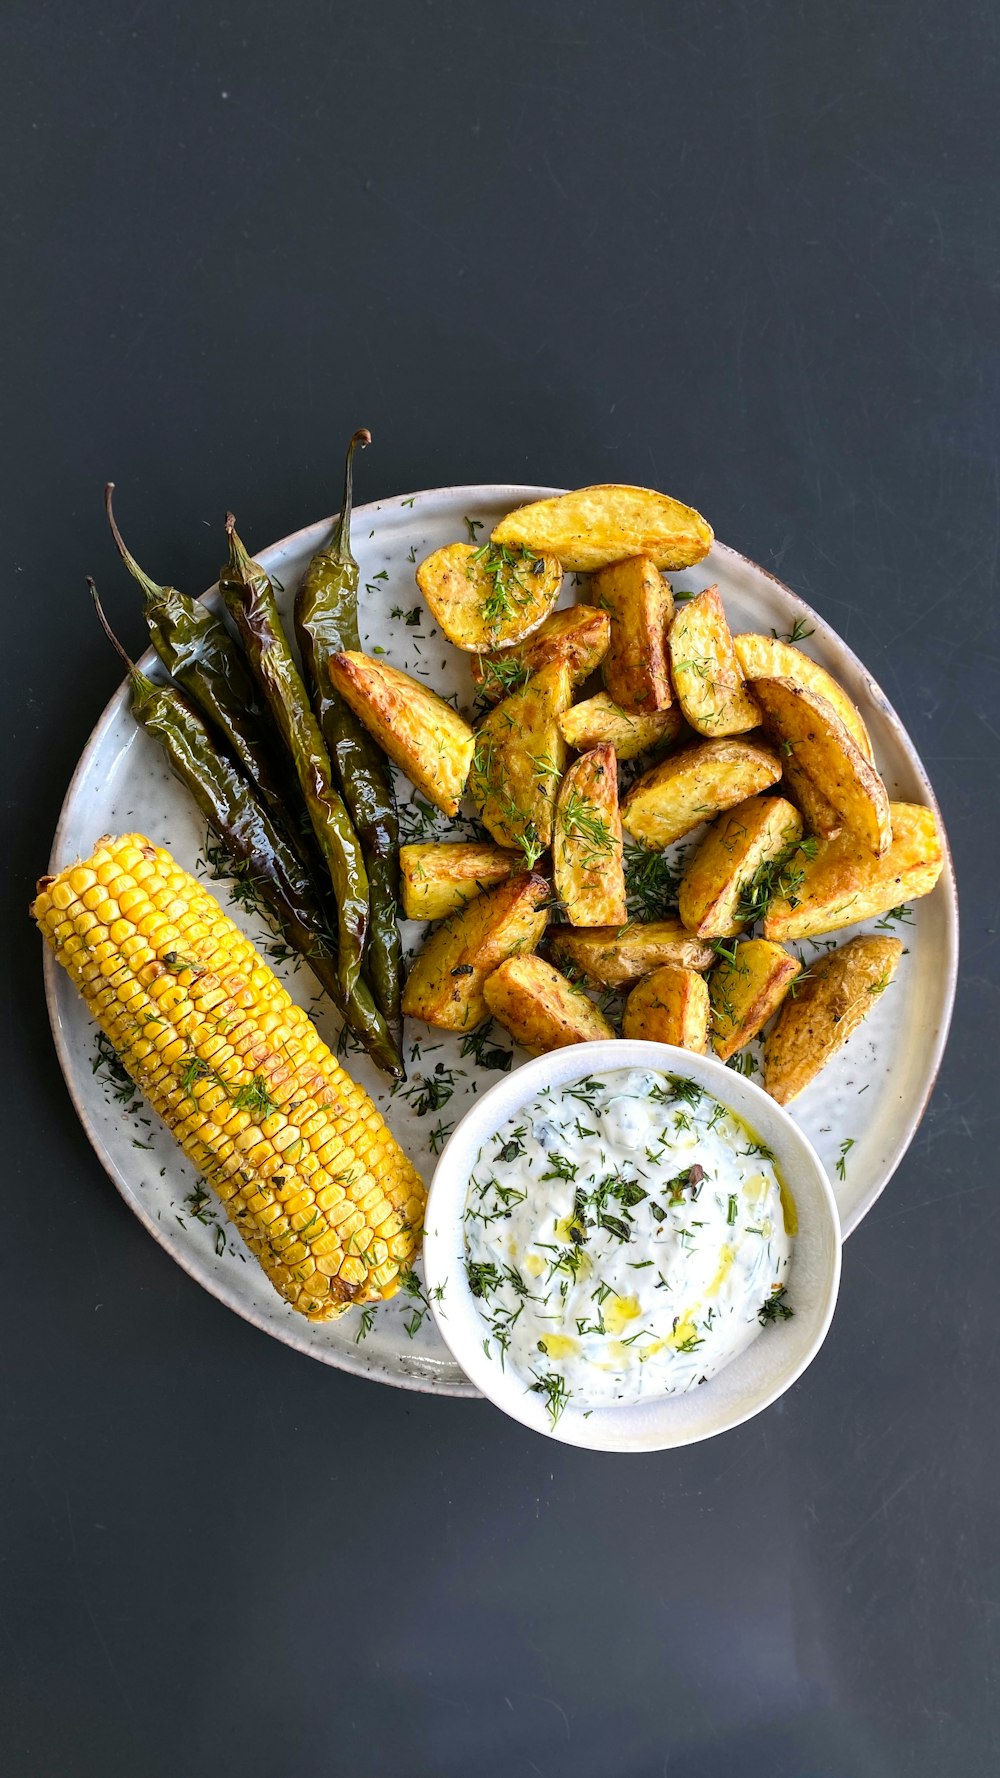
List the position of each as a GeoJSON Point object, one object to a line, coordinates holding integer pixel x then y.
{"type": "Point", "coordinates": [748, 253]}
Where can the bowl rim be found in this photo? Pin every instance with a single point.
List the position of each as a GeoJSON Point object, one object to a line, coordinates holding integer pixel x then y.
{"type": "Point", "coordinates": [444, 1245]}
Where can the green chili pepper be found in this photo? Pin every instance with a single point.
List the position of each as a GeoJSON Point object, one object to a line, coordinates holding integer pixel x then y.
{"type": "Point", "coordinates": [249, 598]}
{"type": "Point", "coordinates": [254, 843]}
{"type": "Point", "coordinates": [326, 623]}
{"type": "Point", "coordinates": [198, 651]}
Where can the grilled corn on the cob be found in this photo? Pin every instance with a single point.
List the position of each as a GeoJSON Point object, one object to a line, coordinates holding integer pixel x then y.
{"type": "Point", "coordinates": [316, 1184]}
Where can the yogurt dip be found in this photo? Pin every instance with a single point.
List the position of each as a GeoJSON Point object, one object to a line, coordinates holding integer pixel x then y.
{"type": "Point", "coordinates": [626, 1236]}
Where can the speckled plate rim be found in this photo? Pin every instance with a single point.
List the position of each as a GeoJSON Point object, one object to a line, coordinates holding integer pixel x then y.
{"type": "Point", "coordinates": [848, 667]}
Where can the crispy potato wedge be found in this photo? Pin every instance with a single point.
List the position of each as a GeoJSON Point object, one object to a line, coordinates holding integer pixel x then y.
{"type": "Point", "coordinates": [746, 992]}
{"type": "Point", "coordinates": [594, 526]}
{"type": "Point", "coordinates": [599, 719]}
{"type": "Point", "coordinates": [438, 879]}
{"type": "Point", "coordinates": [819, 815]}
{"type": "Point", "coordinates": [579, 636]}
{"type": "Point", "coordinates": [488, 597]}
{"type": "Point", "coordinates": [445, 983]}
{"type": "Point", "coordinates": [825, 750]}
{"type": "Point", "coordinates": [640, 605]}
{"type": "Point", "coordinates": [833, 997]}
{"type": "Point", "coordinates": [691, 786]}
{"type": "Point", "coordinates": [843, 882]}
{"type": "Point", "coordinates": [422, 735]}
{"type": "Point", "coordinates": [519, 759]}
{"type": "Point", "coordinates": [707, 675]}
{"type": "Point", "coordinates": [669, 1006]}
{"type": "Point", "coordinates": [540, 1008]}
{"type": "Point", "coordinates": [614, 956]}
{"type": "Point", "coordinates": [588, 872]}
{"type": "Point", "coordinates": [769, 657]}
{"type": "Point", "coordinates": [714, 888]}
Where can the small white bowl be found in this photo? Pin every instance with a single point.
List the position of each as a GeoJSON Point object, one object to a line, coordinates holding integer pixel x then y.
{"type": "Point", "coordinates": [753, 1380]}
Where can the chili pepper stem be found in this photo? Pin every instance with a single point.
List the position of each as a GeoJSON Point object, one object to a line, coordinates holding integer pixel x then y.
{"type": "Point", "coordinates": [340, 542]}
{"type": "Point", "coordinates": [149, 587]}
{"type": "Point", "coordinates": [133, 671]}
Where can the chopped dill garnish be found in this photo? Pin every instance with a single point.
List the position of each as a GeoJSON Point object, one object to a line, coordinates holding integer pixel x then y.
{"type": "Point", "coordinates": [504, 567]}
{"type": "Point", "coordinates": [173, 961]}
{"type": "Point", "coordinates": [255, 1098]}
{"type": "Point", "coordinates": [798, 632]}
{"type": "Point", "coordinates": [501, 675]}
{"type": "Point", "coordinates": [554, 1389]}
{"type": "Point", "coordinates": [433, 1091]}
{"type": "Point", "coordinates": [486, 1053]}
{"type": "Point", "coordinates": [651, 884]}
{"type": "Point", "coordinates": [845, 1149]}
{"type": "Point", "coordinates": [774, 1307]}
{"type": "Point", "coordinates": [777, 879]}
{"type": "Point", "coordinates": [582, 821]}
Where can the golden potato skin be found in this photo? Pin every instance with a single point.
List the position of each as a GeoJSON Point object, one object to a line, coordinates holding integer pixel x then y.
{"type": "Point", "coordinates": [694, 784]}
{"type": "Point", "coordinates": [588, 873]}
{"type": "Point", "coordinates": [769, 657]}
{"type": "Point", "coordinates": [833, 997]}
{"type": "Point", "coordinates": [707, 675]}
{"type": "Point", "coordinates": [445, 983]}
{"type": "Point", "coordinates": [599, 719]}
{"type": "Point", "coordinates": [845, 882]}
{"type": "Point", "coordinates": [421, 734]}
{"type": "Point", "coordinates": [640, 605]}
{"type": "Point", "coordinates": [518, 761]}
{"type": "Point", "coordinates": [614, 956]}
{"type": "Point", "coordinates": [820, 816]}
{"type": "Point", "coordinates": [591, 527]}
{"type": "Point", "coordinates": [458, 587]}
{"type": "Point", "coordinates": [578, 636]}
{"type": "Point", "coordinates": [746, 992]}
{"type": "Point", "coordinates": [734, 847]}
{"type": "Point", "coordinates": [669, 1006]}
{"type": "Point", "coordinates": [540, 1008]}
{"type": "Point", "coordinates": [437, 879]}
{"type": "Point", "coordinates": [824, 749]}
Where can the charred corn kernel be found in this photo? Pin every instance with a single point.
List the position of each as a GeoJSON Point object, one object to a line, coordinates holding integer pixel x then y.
{"type": "Point", "coordinates": [308, 1172]}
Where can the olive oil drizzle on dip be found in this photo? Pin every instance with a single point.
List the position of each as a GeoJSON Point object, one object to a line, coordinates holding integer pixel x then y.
{"type": "Point", "coordinates": [626, 1236]}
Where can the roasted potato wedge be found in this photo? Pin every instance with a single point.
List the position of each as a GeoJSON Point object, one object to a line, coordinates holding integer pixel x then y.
{"type": "Point", "coordinates": [599, 719]}
{"type": "Point", "coordinates": [691, 786]}
{"type": "Point", "coordinates": [707, 675]}
{"type": "Point", "coordinates": [540, 1008]}
{"type": "Point", "coordinates": [519, 759]}
{"type": "Point", "coordinates": [488, 597]}
{"type": "Point", "coordinates": [669, 1006]}
{"type": "Point", "coordinates": [747, 991]}
{"type": "Point", "coordinates": [717, 885]}
{"type": "Point", "coordinates": [833, 997]}
{"type": "Point", "coordinates": [438, 879]}
{"type": "Point", "coordinates": [640, 605]}
{"type": "Point", "coordinates": [614, 956]}
{"type": "Point", "coordinates": [843, 882]}
{"type": "Point", "coordinates": [445, 983]}
{"type": "Point", "coordinates": [579, 636]}
{"type": "Point", "coordinates": [588, 873]}
{"type": "Point", "coordinates": [594, 526]}
{"type": "Point", "coordinates": [824, 749]}
{"type": "Point", "coordinates": [422, 735]}
{"type": "Point", "coordinates": [820, 816]}
{"type": "Point", "coordinates": [769, 657]}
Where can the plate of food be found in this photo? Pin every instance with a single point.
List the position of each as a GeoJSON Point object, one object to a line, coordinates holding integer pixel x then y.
{"type": "Point", "coordinates": [622, 782]}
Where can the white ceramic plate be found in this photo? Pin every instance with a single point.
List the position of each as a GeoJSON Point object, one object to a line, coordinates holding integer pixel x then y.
{"type": "Point", "coordinates": [871, 1097]}
{"type": "Point", "coordinates": [753, 1380]}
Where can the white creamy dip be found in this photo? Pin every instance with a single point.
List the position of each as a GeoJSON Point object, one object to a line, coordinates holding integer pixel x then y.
{"type": "Point", "coordinates": [623, 1235]}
